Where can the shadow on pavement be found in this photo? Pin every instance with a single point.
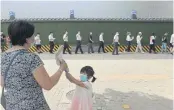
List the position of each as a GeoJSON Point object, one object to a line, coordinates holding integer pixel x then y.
{"type": "Point", "coordinates": [116, 100]}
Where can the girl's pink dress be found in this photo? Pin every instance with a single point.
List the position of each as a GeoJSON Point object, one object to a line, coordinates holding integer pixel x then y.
{"type": "Point", "coordinates": [82, 99]}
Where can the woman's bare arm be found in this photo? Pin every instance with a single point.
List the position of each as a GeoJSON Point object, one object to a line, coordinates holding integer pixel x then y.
{"type": "Point", "coordinates": [44, 80]}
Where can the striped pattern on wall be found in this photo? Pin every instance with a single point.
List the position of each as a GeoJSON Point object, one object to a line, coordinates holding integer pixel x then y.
{"type": "Point", "coordinates": [108, 48]}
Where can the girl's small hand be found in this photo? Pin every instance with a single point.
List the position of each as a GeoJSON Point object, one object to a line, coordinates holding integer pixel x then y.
{"type": "Point", "coordinates": [67, 70]}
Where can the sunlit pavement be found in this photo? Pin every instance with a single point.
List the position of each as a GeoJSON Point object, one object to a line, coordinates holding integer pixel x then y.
{"type": "Point", "coordinates": [126, 82]}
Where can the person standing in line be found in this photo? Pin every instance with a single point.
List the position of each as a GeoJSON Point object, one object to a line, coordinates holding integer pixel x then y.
{"type": "Point", "coordinates": [139, 46]}
{"type": "Point", "coordinates": [66, 45]}
{"type": "Point", "coordinates": [116, 43]}
{"type": "Point", "coordinates": [152, 43]}
{"type": "Point", "coordinates": [51, 42]}
{"type": "Point", "coordinates": [129, 40]}
{"type": "Point", "coordinates": [3, 40]}
{"type": "Point", "coordinates": [8, 42]}
{"type": "Point", "coordinates": [78, 39]}
{"type": "Point", "coordinates": [172, 44]}
{"type": "Point", "coordinates": [38, 43]}
{"type": "Point", "coordinates": [164, 43]}
{"type": "Point", "coordinates": [101, 45]}
{"type": "Point", "coordinates": [90, 44]}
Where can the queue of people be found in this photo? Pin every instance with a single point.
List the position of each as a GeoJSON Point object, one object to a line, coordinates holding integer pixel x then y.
{"type": "Point", "coordinates": [116, 43]}
{"type": "Point", "coordinates": [24, 76]}
{"type": "Point", "coordinates": [129, 38]}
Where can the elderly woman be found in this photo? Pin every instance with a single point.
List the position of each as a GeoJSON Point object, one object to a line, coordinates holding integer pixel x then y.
{"type": "Point", "coordinates": [23, 74]}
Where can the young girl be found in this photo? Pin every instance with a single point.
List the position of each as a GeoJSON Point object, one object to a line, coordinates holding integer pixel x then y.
{"type": "Point", "coordinates": [82, 99]}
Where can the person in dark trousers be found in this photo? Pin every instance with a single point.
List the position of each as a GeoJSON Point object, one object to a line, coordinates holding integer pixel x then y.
{"type": "Point", "coordinates": [172, 44]}
{"type": "Point", "coordinates": [38, 43]}
{"type": "Point", "coordinates": [152, 43]}
{"type": "Point", "coordinates": [129, 40]}
{"type": "Point", "coordinates": [3, 42]}
{"type": "Point", "coordinates": [101, 45]}
{"type": "Point", "coordinates": [139, 46]}
{"type": "Point", "coordinates": [78, 39]}
{"type": "Point", "coordinates": [51, 41]}
{"type": "Point", "coordinates": [116, 43]}
{"type": "Point", "coordinates": [90, 44]}
{"type": "Point", "coordinates": [164, 43]}
{"type": "Point", "coordinates": [66, 45]}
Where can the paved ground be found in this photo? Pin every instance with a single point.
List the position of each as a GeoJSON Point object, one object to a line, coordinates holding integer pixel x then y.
{"type": "Point", "coordinates": [109, 56]}
{"type": "Point", "coordinates": [125, 82]}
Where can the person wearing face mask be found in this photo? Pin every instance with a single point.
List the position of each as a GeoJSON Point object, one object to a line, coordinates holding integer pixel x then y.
{"type": "Point", "coordinates": [23, 73]}
{"type": "Point", "coordinates": [79, 41]}
{"type": "Point", "coordinates": [172, 44]}
{"type": "Point", "coordinates": [66, 45]}
{"type": "Point", "coordinates": [51, 41]}
{"type": "Point", "coordinates": [129, 40]}
{"type": "Point", "coordinates": [116, 43]}
{"type": "Point", "coordinates": [101, 45]}
{"type": "Point", "coordinates": [38, 43]}
{"type": "Point", "coordinates": [139, 47]}
{"type": "Point", "coordinates": [164, 43]}
{"type": "Point", "coordinates": [8, 42]}
{"type": "Point", "coordinates": [3, 40]}
{"type": "Point", "coordinates": [152, 43]}
{"type": "Point", "coordinates": [90, 47]}
{"type": "Point", "coordinates": [82, 98]}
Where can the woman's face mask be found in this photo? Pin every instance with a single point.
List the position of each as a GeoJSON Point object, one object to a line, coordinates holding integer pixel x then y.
{"type": "Point", "coordinates": [83, 77]}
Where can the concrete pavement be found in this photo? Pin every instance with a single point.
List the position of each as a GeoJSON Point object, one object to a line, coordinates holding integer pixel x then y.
{"type": "Point", "coordinates": [131, 83]}
{"type": "Point", "coordinates": [125, 82]}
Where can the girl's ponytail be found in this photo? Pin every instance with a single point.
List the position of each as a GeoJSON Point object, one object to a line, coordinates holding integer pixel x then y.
{"type": "Point", "coordinates": [93, 79]}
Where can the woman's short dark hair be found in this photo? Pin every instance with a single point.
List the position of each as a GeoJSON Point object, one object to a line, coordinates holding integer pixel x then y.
{"type": "Point", "coordinates": [18, 31]}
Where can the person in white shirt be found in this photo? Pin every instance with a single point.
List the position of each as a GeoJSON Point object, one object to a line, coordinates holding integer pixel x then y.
{"type": "Point", "coordinates": [116, 43]}
{"type": "Point", "coordinates": [66, 45]}
{"type": "Point", "coordinates": [90, 42]}
{"type": "Point", "coordinates": [3, 42]}
{"type": "Point", "coordinates": [172, 44]}
{"type": "Point", "coordinates": [129, 40]}
{"type": "Point", "coordinates": [51, 41]}
{"type": "Point", "coordinates": [101, 45]}
{"type": "Point", "coordinates": [139, 46]}
{"type": "Point", "coordinates": [78, 39]}
{"type": "Point", "coordinates": [152, 43]}
{"type": "Point", "coordinates": [38, 43]}
{"type": "Point", "coordinates": [164, 43]}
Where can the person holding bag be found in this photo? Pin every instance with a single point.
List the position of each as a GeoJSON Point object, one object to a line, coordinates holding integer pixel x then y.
{"type": "Point", "coordinates": [23, 75]}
